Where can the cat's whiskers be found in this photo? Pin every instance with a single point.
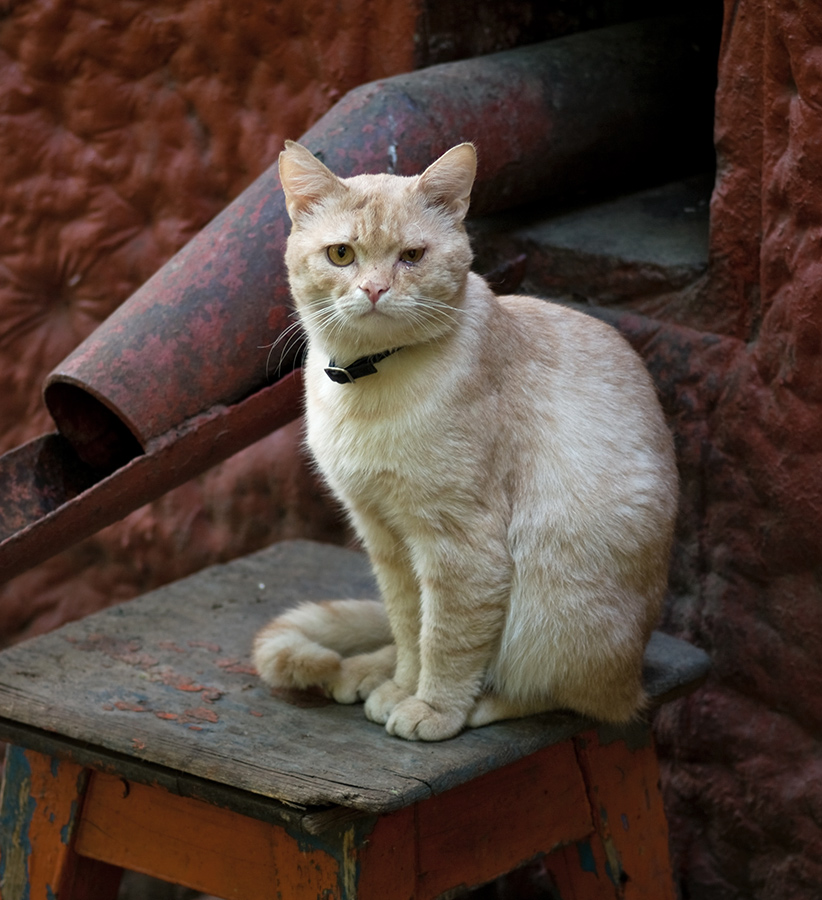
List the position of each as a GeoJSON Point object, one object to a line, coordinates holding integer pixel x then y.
{"type": "Point", "coordinates": [430, 311]}
{"type": "Point", "coordinates": [339, 325]}
{"type": "Point", "coordinates": [326, 320]}
{"type": "Point", "coordinates": [292, 339]}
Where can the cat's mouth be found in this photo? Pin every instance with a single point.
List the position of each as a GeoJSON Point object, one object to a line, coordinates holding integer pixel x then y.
{"type": "Point", "coordinates": [374, 312]}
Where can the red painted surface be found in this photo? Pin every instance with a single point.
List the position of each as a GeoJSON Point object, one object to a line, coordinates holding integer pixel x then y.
{"type": "Point", "coordinates": [736, 357]}
{"type": "Point", "coordinates": [68, 821]}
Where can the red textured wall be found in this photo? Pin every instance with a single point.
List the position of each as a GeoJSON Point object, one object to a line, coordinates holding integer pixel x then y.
{"type": "Point", "coordinates": [743, 378]}
{"type": "Point", "coordinates": [124, 128]}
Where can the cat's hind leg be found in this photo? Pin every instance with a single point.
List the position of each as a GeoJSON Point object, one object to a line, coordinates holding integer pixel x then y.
{"type": "Point", "coordinates": [359, 676]}
{"type": "Point", "coordinates": [492, 707]}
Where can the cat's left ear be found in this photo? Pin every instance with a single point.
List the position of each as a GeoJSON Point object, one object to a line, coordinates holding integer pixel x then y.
{"type": "Point", "coordinates": [448, 181]}
{"type": "Point", "coordinates": [305, 179]}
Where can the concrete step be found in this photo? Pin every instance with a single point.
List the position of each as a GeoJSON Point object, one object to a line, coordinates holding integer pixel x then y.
{"type": "Point", "coordinates": [623, 251]}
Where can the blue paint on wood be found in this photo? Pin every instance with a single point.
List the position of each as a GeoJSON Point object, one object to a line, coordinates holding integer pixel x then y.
{"type": "Point", "coordinates": [586, 857]}
{"type": "Point", "coordinates": [17, 808]}
{"type": "Point", "coordinates": [67, 829]}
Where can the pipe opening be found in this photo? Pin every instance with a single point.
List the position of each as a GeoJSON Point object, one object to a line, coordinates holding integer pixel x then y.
{"type": "Point", "coordinates": [100, 438]}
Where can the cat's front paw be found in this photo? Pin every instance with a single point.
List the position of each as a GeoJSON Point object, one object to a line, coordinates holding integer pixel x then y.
{"type": "Point", "coordinates": [382, 701]}
{"type": "Point", "coordinates": [415, 720]}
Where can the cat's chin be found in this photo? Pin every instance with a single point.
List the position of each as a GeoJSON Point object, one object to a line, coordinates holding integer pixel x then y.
{"type": "Point", "coordinates": [371, 334]}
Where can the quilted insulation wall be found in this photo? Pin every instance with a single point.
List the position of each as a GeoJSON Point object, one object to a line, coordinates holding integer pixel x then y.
{"type": "Point", "coordinates": [124, 128]}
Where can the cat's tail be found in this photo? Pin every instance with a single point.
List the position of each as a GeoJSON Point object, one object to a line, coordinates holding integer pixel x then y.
{"type": "Point", "coordinates": [344, 647]}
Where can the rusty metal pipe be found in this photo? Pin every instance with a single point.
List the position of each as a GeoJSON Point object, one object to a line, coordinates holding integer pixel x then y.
{"type": "Point", "coordinates": [605, 108]}
{"type": "Point", "coordinates": [53, 499]}
{"type": "Point", "coordinates": [177, 378]}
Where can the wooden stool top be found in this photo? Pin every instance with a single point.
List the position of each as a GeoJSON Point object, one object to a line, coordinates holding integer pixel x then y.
{"type": "Point", "coordinates": [161, 690]}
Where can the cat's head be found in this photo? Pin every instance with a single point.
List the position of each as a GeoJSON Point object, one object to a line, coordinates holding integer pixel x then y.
{"type": "Point", "coordinates": [377, 261]}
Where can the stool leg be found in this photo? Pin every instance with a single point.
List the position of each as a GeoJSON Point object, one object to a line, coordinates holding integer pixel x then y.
{"type": "Point", "coordinates": [627, 856]}
{"type": "Point", "coordinates": [39, 806]}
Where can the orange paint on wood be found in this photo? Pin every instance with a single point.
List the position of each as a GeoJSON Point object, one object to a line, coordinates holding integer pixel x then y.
{"type": "Point", "coordinates": [385, 865]}
{"type": "Point", "coordinates": [38, 856]}
{"type": "Point", "coordinates": [626, 803]}
{"type": "Point", "coordinates": [56, 787]}
{"type": "Point", "coordinates": [198, 845]}
{"type": "Point", "coordinates": [602, 799]}
{"type": "Point", "coordinates": [498, 821]}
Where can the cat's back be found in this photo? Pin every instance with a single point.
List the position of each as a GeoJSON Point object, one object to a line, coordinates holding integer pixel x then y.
{"type": "Point", "coordinates": [582, 370]}
{"type": "Point", "coordinates": [582, 415]}
{"type": "Point", "coordinates": [572, 343]}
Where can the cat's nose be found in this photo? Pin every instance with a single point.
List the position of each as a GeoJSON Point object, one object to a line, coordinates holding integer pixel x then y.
{"type": "Point", "coordinates": [373, 290]}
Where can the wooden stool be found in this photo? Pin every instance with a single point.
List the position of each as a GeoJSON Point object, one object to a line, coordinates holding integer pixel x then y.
{"type": "Point", "coordinates": [141, 739]}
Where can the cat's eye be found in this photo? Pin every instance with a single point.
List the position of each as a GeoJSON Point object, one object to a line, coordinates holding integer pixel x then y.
{"type": "Point", "coordinates": [412, 255]}
{"type": "Point", "coordinates": [340, 254]}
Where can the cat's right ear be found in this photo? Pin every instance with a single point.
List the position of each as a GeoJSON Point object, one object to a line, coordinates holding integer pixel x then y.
{"type": "Point", "coordinates": [305, 179]}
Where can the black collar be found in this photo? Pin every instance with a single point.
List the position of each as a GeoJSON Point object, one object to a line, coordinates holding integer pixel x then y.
{"type": "Point", "coordinates": [365, 365]}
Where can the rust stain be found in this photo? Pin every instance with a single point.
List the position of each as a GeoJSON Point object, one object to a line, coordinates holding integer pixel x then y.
{"type": "Point", "coordinates": [125, 651]}
{"type": "Point", "coordinates": [185, 684]}
{"type": "Point", "coordinates": [206, 645]}
{"type": "Point", "coordinates": [200, 713]}
{"type": "Point", "coordinates": [236, 667]}
{"type": "Point", "coordinates": [196, 714]}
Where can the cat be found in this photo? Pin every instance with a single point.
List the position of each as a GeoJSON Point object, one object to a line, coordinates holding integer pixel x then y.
{"type": "Point", "coordinates": [504, 460]}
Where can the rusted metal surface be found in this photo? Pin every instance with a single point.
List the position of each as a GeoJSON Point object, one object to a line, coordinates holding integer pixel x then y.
{"type": "Point", "coordinates": [180, 376]}
{"type": "Point", "coordinates": [55, 500]}
{"type": "Point", "coordinates": [196, 334]}
{"type": "Point", "coordinates": [612, 106]}
{"type": "Point", "coordinates": [603, 110]}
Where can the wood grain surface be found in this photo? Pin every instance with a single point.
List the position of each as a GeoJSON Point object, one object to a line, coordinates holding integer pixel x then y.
{"type": "Point", "coordinates": [165, 683]}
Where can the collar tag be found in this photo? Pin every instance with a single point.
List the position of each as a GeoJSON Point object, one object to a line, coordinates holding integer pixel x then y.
{"type": "Point", "coordinates": [341, 376]}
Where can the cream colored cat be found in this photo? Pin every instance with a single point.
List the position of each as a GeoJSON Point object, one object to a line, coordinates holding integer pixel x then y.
{"type": "Point", "coordinates": [504, 460]}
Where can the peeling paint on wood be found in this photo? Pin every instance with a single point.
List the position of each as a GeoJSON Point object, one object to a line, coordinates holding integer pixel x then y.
{"type": "Point", "coordinates": [38, 814]}
{"type": "Point", "coordinates": [187, 747]}
{"type": "Point", "coordinates": [16, 810]}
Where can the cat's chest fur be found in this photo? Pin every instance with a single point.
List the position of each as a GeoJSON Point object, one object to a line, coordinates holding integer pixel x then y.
{"type": "Point", "coordinates": [396, 435]}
